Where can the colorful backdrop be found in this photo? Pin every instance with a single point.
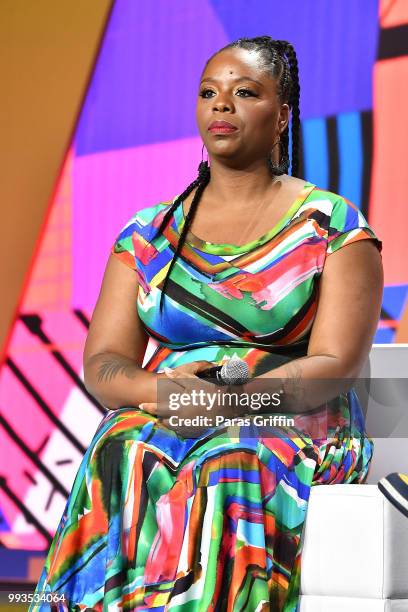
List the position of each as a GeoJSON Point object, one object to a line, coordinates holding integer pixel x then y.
{"type": "Point", "coordinates": [135, 144]}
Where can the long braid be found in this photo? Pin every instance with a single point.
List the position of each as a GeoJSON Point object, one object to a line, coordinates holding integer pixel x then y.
{"type": "Point", "coordinates": [294, 103]}
{"type": "Point", "coordinates": [279, 58]}
{"type": "Point", "coordinates": [200, 182]}
{"type": "Point", "coordinates": [284, 89]}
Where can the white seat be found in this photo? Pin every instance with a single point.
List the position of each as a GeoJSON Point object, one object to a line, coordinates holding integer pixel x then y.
{"type": "Point", "coordinates": [355, 542]}
{"type": "Point", "coordinates": [355, 551]}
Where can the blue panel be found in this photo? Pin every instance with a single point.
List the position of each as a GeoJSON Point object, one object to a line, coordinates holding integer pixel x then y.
{"type": "Point", "coordinates": [316, 155]}
{"type": "Point", "coordinates": [4, 524]}
{"type": "Point", "coordinates": [336, 44]}
{"type": "Point", "coordinates": [350, 156]}
{"type": "Point", "coordinates": [14, 563]}
{"type": "Point", "coordinates": [384, 336]}
{"type": "Point", "coordinates": [394, 300]}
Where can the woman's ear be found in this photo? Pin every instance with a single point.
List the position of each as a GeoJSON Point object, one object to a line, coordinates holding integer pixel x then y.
{"type": "Point", "coordinates": [283, 118]}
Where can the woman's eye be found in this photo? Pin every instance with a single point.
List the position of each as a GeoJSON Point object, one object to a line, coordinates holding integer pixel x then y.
{"type": "Point", "coordinates": [243, 89]}
{"type": "Point", "coordinates": [251, 93]}
{"type": "Point", "coordinates": [204, 91]}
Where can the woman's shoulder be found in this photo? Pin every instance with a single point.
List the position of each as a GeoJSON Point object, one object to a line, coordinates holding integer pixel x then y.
{"type": "Point", "coordinates": [339, 217]}
{"type": "Point", "coordinates": [330, 200]}
{"type": "Point", "coordinates": [133, 237]}
{"type": "Point", "coordinates": [319, 197]}
{"type": "Point", "coordinates": [338, 210]}
{"type": "Point", "coordinates": [147, 214]}
{"type": "Point", "coordinates": [142, 221]}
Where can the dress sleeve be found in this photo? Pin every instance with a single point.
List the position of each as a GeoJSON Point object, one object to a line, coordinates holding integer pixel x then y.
{"type": "Point", "coordinates": [130, 248]}
{"type": "Point", "coordinates": [124, 245]}
{"type": "Point", "coordinates": [347, 225]}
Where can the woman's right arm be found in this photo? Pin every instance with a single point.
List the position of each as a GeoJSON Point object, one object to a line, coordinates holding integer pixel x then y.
{"type": "Point", "coordinates": [116, 343]}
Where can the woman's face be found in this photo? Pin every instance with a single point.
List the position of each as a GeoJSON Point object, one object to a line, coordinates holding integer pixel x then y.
{"type": "Point", "coordinates": [233, 88]}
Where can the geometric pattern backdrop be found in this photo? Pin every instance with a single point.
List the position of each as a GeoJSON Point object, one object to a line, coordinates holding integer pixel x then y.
{"type": "Point", "coordinates": [135, 144]}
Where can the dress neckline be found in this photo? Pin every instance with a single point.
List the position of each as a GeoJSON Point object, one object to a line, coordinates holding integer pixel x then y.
{"type": "Point", "coordinates": [223, 248]}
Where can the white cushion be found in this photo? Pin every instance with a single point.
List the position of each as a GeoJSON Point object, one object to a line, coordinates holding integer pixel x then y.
{"type": "Point", "coordinates": [355, 544]}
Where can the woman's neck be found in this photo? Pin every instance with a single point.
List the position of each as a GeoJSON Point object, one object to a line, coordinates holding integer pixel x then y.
{"type": "Point", "coordinates": [231, 185]}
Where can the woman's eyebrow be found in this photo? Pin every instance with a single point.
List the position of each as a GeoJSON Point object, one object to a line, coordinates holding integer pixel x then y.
{"type": "Point", "coordinates": [242, 78]}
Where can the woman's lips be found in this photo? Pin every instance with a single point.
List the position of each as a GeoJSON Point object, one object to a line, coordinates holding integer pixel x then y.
{"type": "Point", "coordinates": [222, 130]}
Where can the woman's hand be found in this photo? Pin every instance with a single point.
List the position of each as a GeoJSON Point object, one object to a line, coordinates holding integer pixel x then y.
{"type": "Point", "coordinates": [181, 376]}
{"type": "Point", "coordinates": [203, 395]}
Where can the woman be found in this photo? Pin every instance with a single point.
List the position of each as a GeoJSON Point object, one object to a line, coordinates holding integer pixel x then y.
{"type": "Point", "coordinates": [158, 521]}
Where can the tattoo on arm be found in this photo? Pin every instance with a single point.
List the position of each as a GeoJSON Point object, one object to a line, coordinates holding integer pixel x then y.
{"type": "Point", "coordinates": [110, 367]}
{"type": "Point", "coordinates": [292, 384]}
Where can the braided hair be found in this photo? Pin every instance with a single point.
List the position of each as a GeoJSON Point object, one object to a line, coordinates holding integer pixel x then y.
{"type": "Point", "coordinates": [278, 57]}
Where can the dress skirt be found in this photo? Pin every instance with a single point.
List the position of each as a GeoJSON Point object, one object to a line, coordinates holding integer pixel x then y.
{"type": "Point", "coordinates": [155, 521]}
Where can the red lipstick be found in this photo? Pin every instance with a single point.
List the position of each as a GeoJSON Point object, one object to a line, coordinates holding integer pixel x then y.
{"type": "Point", "coordinates": [221, 127]}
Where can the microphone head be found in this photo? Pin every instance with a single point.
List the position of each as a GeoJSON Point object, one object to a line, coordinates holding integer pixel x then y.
{"type": "Point", "coordinates": [235, 372]}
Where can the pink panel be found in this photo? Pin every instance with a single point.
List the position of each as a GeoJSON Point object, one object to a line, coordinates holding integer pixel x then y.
{"type": "Point", "coordinates": [108, 189]}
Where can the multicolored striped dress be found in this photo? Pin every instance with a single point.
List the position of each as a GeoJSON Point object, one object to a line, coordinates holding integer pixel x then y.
{"type": "Point", "coordinates": [158, 521]}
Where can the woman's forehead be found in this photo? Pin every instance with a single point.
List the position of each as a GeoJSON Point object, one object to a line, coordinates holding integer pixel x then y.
{"type": "Point", "coordinates": [235, 62]}
{"type": "Point", "coordinates": [234, 59]}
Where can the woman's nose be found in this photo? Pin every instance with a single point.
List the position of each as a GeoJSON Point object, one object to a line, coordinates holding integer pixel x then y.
{"type": "Point", "coordinates": [223, 104]}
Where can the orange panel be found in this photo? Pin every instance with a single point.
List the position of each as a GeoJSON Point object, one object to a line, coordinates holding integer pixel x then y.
{"type": "Point", "coordinates": [388, 210]}
{"type": "Point", "coordinates": [393, 13]}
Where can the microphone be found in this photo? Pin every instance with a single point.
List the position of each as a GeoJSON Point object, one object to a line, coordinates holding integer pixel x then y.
{"type": "Point", "coordinates": [233, 372]}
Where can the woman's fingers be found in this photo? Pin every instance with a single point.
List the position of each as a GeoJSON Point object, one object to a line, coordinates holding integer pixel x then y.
{"type": "Point", "coordinates": [170, 374]}
{"type": "Point", "coordinates": [153, 408]}
{"type": "Point", "coordinates": [186, 377]}
{"type": "Point", "coordinates": [205, 396]}
{"type": "Point", "coordinates": [190, 382]}
{"type": "Point", "coordinates": [204, 365]}
{"type": "Point", "coordinates": [192, 368]}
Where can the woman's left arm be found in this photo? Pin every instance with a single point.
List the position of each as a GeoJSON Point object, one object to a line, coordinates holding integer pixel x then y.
{"type": "Point", "coordinates": [348, 310]}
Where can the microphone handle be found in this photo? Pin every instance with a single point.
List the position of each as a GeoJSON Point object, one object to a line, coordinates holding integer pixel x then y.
{"type": "Point", "coordinates": [211, 373]}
